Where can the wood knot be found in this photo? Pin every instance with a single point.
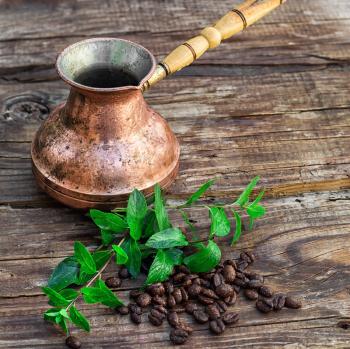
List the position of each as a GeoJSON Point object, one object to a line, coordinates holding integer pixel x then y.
{"type": "Point", "coordinates": [212, 35]}
{"type": "Point", "coordinates": [344, 324]}
{"type": "Point", "coordinates": [25, 106]}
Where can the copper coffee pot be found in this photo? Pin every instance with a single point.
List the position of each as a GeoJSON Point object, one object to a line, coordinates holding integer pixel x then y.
{"type": "Point", "coordinates": [93, 150]}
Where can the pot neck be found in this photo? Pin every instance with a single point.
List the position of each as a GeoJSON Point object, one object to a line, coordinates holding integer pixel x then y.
{"type": "Point", "coordinates": [106, 115]}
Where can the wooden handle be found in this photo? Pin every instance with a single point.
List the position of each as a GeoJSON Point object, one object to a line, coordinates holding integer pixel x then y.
{"type": "Point", "coordinates": [232, 23]}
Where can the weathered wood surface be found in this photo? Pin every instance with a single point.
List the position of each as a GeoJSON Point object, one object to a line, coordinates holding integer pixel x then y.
{"type": "Point", "coordinates": [273, 101]}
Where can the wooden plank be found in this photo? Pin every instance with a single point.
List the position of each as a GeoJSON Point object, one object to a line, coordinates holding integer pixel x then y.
{"type": "Point", "coordinates": [88, 17]}
{"type": "Point", "coordinates": [296, 230]}
{"type": "Point", "coordinates": [293, 248]}
{"type": "Point", "coordinates": [209, 115]}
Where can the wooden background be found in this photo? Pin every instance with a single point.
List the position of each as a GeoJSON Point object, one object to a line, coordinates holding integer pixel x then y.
{"type": "Point", "coordinates": [273, 101]}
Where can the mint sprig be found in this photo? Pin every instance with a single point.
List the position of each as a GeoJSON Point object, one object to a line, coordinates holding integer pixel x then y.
{"type": "Point", "coordinates": [139, 231]}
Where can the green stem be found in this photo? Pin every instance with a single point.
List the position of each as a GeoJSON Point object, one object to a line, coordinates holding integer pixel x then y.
{"type": "Point", "coordinates": [95, 277]}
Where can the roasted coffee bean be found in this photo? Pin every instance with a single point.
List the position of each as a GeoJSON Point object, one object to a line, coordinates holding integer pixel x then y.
{"type": "Point", "coordinates": [205, 300]}
{"type": "Point", "coordinates": [247, 257]}
{"type": "Point", "coordinates": [224, 290]}
{"type": "Point", "coordinates": [169, 287]}
{"type": "Point", "coordinates": [255, 276]}
{"type": "Point", "coordinates": [236, 288]}
{"type": "Point", "coordinates": [239, 282]}
{"type": "Point", "coordinates": [157, 314]}
{"type": "Point", "coordinates": [217, 280]}
{"type": "Point", "coordinates": [229, 273]}
{"type": "Point", "coordinates": [231, 300]}
{"type": "Point", "coordinates": [251, 294]}
{"type": "Point", "coordinates": [217, 326]}
{"type": "Point", "coordinates": [230, 318]}
{"type": "Point", "coordinates": [265, 291]}
{"type": "Point", "coordinates": [171, 302]}
{"type": "Point", "coordinates": [135, 318]}
{"type": "Point", "coordinates": [255, 284]}
{"type": "Point", "coordinates": [73, 342]}
{"type": "Point", "coordinates": [278, 301]}
{"type": "Point", "coordinates": [161, 309]}
{"type": "Point", "coordinates": [143, 300]}
{"type": "Point", "coordinates": [241, 266]}
{"type": "Point", "coordinates": [206, 292]}
{"type": "Point", "coordinates": [242, 276]}
{"type": "Point", "coordinates": [205, 283]}
{"type": "Point", "coordinates": [183, 326]}
{"type": "Point", "coordinates": [191, 307]}
{"type": "Point", "coordinates": [159, 300]}
{"type": "Point", "coordinates": [113, 282]}
{"type": "Point", "coordinates": [231, 262]}
{"type": "Point", "coordinates": [177, 295]}
{"type": "Point", "coordinates": [156, 290]}
{"type": "Point", "coordinates": [207, 276]}
{"type": "Point", "coordinates": [173, 318]}
{"type": "Point", "coordinates": [178, 336]}
{"type": "Point", "coordinates": [222, 306]}
{"type": "Point", "coordinates": [123, 273]}
{"type": "Point", "coordinates": [184, 294]}
{"type": "Point", "coordinates": [213, 311]}
{"type": "Point", "coordinates": [134, 308]}
{"type": "Point", "coordinates": [293, 303]}
{"type": "Point", "coordinates": [179, 277]}
{"type": "Point", "coordinates": [183, 269]}
{"type": "Point", "coordinates": [200, 316]}
{"type": "Point", "coordinates": [123, 310]}
{"type": "Point", "coordinates": [194, 290]}
{"type": "Point", "coordinates": [135, 293]}
{"type": "Point", "coordinates": [155, 320]}
{"type": "Point", "coordinates": [196, 281]}
{"type": "Point", "coordinates": [264, 305]}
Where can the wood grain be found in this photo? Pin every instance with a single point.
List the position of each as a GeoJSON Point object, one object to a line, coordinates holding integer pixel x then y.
{"type": "Point", "coordinates": [273, 101]}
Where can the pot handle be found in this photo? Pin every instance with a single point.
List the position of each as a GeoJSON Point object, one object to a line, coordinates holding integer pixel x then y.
{"type": "Point", "coordinates": [232, 23]}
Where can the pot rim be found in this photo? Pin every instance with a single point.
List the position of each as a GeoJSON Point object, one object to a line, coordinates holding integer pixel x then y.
{"type": "Point", "coordinates": [104, 89]}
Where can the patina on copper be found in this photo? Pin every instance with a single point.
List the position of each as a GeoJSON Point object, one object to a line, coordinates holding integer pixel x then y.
{"type": "Point", "coordinates": [102, 143]}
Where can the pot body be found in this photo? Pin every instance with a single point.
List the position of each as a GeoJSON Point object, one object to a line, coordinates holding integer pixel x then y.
{"type": "Point", "coordinates": [94, 150]}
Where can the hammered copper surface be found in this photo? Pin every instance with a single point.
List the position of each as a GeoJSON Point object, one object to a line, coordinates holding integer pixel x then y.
{"type": "Point", "coordinates": [99, 146]}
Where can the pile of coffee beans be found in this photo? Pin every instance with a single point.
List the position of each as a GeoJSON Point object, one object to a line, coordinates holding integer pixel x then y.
{"type": "Point", "coordinates": [205, 296]}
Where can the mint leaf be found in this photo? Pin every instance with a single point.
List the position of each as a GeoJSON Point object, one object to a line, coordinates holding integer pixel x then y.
{"type": "Point", "coordinates": [175, 255]}
{"type": "Point", "coordinates": [195, 196]}
{"type": "Point", "coordinates": [135, 213]}
{"type": "Point", "coordinates": [161, 213]}
{"type": "Point", "coordinates": [79, 319]}
{"type": "Point", "coordinates": [51, 314]}
{"type": "Point", "coordinates": [161, 268]}
{"type": "Point", "coordinates": [238, 230]}
{"type": "Point", "coordinates": [132, 249]}
{"type": "Point", "coordinates": [220, 225]}
{"type": "Point", "coordinates": [150, 224]}
{"type": "Point", "coordinates": [108, 221]}
{"type": "Point", "coordinates": [167, 238]}
{"type": "Point", "coordinates": [62, 322]}
{"type": "Point", "coordinates": [244, 197]}
{"type": "Point", "coordinates": [84, 258]}
{"type": "Point", "coordinates": [255, 211]}
{"type": "Point", "coordinates": [100, 258]}
{"type": "Point", "coordinates": [121, 256]}
{"type": "Point", "coordinates": [101, 294]}
{"type": "Point", "coordinates": [205, 259]}
{"type": "Point", "coordinates": [69, 293]}
{"type": "Point", "coordinates": [107, 237]}
{"type": "Point", "coordinates": [66, 273]}
{"type": "Point", "coordinates": [55, 298]}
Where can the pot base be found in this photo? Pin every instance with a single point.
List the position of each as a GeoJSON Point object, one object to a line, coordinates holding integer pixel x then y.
{"type": "Point", "coordinates": [105, 202]}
